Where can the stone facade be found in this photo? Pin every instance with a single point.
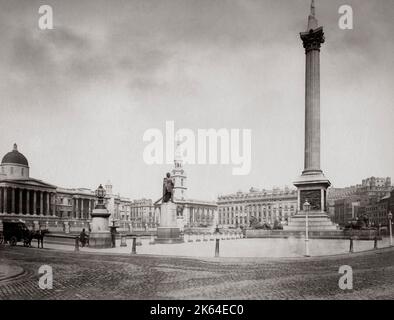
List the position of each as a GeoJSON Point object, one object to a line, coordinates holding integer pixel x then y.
{"type": "Point", "coordinates": [375, 208]}
{"type": "Point", "coordinates": [267, 206]}
{"type": "Point", "coordinates": [142, 214]}
{"type": "Point", "coordinates": [347, 201]}
{"type": "Point", "coordinates": [42, 204]}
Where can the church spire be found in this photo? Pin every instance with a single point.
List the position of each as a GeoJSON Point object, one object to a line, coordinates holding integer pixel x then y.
{"type": "Point", "coordinates": [312, 21]}
{"type": "Point", "coordinates": [178, 149]}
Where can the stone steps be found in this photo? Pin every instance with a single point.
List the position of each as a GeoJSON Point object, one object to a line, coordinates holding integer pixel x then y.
{"type": "Point", "coordinates": [316, 222]}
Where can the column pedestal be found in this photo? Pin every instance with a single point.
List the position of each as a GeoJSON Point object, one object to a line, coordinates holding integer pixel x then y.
{"type": "Point", "coordinates": [168, 232]}
{"type": "Point", "coordinates": [100, 237]}
{"type": "Point", "coordinates": [312, 188]}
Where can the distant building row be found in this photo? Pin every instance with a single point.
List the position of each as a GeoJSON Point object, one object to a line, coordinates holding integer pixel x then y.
{"type": "Point", "coordinates": [372, 199]}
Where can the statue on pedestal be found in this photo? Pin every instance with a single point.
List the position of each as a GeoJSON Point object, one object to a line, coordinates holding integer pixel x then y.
{"type": "Point", "coordinates": [168, 230]}
{"type": "Point", "coordinates": [168, 188]}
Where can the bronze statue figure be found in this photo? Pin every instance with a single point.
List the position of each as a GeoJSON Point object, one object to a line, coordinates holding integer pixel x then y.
{"type": "Point", "coordinates": [168, 188]}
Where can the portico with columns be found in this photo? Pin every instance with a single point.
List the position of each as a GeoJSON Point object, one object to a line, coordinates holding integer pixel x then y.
{"type": "Point", "coordinates": [27, 198]}
{"type": "Point", "coordinates": [39, 203]}
{"type": "Point", "coordinates": [22, 197]}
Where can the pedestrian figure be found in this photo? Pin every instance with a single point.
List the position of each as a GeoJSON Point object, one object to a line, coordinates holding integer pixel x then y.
{"type": "Point", "coordinates": [113, 237]}
{"type": "Point", "coordinates": [83, 237]}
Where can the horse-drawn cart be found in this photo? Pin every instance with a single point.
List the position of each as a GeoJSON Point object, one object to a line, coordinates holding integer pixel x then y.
{"type": "Point", "coordinates": [14, 232]}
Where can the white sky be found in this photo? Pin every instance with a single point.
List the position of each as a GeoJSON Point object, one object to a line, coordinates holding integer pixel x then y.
{"type": "Point", "coordinates": [78, 99]}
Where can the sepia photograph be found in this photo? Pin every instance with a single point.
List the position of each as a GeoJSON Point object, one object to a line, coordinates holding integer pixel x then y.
{"type": "Point", "coordinates": [196, 154]}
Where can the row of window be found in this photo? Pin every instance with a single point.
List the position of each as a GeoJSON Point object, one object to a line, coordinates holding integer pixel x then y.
{"type": "Point", "coordinates": [258, 207]}
{"type": "Point", "coordinates": [13, 170]}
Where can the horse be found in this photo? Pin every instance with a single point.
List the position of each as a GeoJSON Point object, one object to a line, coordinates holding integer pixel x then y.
{"type": "Point", "coordinates": [35, 234]}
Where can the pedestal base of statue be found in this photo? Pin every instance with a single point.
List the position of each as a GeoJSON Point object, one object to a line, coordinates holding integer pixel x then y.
{"type": "Point", "coordinates": [168, 231]}
{"type": "Point", "coordinates": [100, 237]}
{"type": "Point", "coordinates": [168, 235]}
{"type": "Point", "coordinates": [100, 240]}
{"type": "Point", "coordinates": [312, 187]}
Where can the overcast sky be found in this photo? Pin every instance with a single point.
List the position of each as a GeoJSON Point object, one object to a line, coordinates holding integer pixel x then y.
{"type": "Point", "coordinates": [77, 99]}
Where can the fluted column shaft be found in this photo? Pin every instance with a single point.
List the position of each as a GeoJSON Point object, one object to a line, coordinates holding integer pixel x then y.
{"type": "Point", "coordinates": [34, 202]}
{"type": "Point", "coordinates": [41, 203]}
{"type": "Point", "coordinates": [312, 110]}
{"type": "Point", "coordinates": [20, 206]}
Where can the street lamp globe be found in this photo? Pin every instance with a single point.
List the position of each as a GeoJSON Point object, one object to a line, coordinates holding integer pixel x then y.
{"type": "Point", "coordinates": [100, 192]}
{"type": "Point", "coordinates": [390, 215]}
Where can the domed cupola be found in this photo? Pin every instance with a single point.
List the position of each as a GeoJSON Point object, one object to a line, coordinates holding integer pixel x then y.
{"type": "Point", "coordinates": [15, 157]}
{"type": "Point", "coordinates": [14, 165]}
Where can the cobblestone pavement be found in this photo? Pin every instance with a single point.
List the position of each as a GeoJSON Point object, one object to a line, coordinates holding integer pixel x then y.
{"type": "Point", "coordinates": [107, 276]}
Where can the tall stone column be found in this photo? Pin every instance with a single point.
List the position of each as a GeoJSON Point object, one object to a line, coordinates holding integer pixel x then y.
{"type": "Point", "coordinates": [48, 203]}
{"type": "Point", "coordinates": [41, 203]}
{"type": "Point", "coordinates": [12, 200]}
{"type": "Point", "coordinates": [1, 200]}
{"type": "Point", "coordinates": [27, 201]}
{"type": "Point", "coordinates": [312, 184]}
{"type": "Point", "coordinates": [5, 200]}
{"type": "Point", "coordinates": [53, 204]}
{"type": "Point", "coordinates": [20, 209]}
{"type": "Point", "coordinates": [81, 209]}
{"type": "Point", "coordinates": [312, 41]}
{"type": "Point", "coordinates": [76, 208]}
{"type": "Point", "coordinates": [34, 202]}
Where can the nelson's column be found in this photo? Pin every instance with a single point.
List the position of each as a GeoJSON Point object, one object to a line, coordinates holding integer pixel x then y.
{"type": "Point", "coordinates": [312, 184]}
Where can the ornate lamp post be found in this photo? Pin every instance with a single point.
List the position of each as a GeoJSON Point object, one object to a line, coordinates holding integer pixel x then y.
{"type": "Point", "coordinates": [390, 216]}
{"type": "Point", "coordinates": [306, 208]}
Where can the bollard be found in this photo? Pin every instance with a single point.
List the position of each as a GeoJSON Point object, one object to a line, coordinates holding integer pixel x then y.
{"type": "Point", "coordinates": [152, 239]}
{"type": "Point", "coordinates": [189, 238]}
{"type": "Point", "coordinates": [198, 238]}
{"type": "Point", "coordinates": [123, 241]}
{"type": "Point", "coordinates": [211, 237]}
{"type": "Point", "coordinates": [204, 238]}
{"type": "Point", "coordinates": [351, 245]}
{"type": "Point", "coordinates": [134, 246]}
{"type": "Point", "coordinates": [375, 245]}
{"type": "Point", "coordinates": [76, 244]}
{"type": "Point", "coordinates": [217, 248]}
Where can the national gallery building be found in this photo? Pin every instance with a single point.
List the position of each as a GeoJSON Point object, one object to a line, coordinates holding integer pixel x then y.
{"type": "Point", "coordinates": [39, 203]}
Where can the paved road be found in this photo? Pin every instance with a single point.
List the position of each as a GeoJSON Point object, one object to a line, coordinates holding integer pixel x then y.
{"type": "Point", "coordinates": [98, 276]}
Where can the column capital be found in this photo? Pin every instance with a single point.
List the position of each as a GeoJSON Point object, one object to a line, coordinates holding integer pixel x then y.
{"type": "Point", "coordinates": [312, 39]}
